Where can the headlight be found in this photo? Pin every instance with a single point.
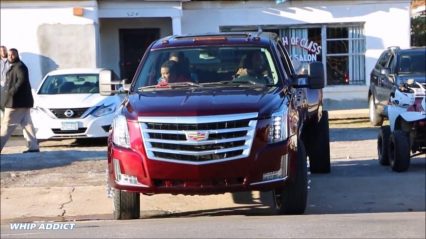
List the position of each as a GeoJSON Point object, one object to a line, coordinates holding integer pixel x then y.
{"type": "Point", "coordinates": [120, 132]}
{"type": "Point", "coordinates": [277, 130]}
{"type": "Point", "coordinates": [104, 110]}
{"type": "Point", "coordinates": [40, 110]}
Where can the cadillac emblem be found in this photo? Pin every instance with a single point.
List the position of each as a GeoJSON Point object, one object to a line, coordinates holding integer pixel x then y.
{"type": "Point", "coordinates": [197, 135]}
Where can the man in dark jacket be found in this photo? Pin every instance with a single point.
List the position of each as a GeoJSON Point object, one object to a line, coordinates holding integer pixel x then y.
{"type": "Point", "coordinates": [17, 101]}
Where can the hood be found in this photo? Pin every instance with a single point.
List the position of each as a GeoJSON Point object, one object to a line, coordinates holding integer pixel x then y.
{"type": "Point", "coordinates": [61, 101]}
{"type": "Point", "coordinates": [202, 101]}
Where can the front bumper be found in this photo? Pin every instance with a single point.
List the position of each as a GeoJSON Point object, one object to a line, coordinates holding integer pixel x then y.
{"type": "Point", "coordinates": [89, 127]}
{"type": "Point", "coordinates": [130, 169]}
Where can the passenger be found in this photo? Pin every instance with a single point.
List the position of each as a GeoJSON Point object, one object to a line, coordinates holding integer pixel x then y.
{"type": "Point", "coordinates": [183, 70]}
{"type": "Point", "coordinates": [168, 73]}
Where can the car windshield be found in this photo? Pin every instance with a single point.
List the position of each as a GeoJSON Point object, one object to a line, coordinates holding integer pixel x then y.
{"type": "Point", "coordinates": [208, 67]}
{"type": "Point", "coordinates": [412, 62]}
{"type": "Point", "coordinates": [70, 84]}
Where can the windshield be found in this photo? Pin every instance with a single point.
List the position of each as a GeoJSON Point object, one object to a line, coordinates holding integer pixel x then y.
{"type": "Point", "coordinates": [70, 84]}
{"type": "Point", "coordinates": [412, 62]}
{"type": "Point", "coordinates": [208, 67]}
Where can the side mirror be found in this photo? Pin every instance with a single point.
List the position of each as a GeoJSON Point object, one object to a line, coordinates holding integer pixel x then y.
{"type": "Point", "coordinates": [108, 82]}
{"type": "Point", "coordinates": [105, 83]}
{"type": "Point", "coordinates": [314, 79]}
{"type": "Point", "coordinates": [126, 85]}
{"type": "Point", "coordinates": [385, 71]}
{"type": "Point", "coordinates": [316, 75]}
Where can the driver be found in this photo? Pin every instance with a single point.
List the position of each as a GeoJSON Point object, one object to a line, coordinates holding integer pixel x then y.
{"type": "Point", "coordinates": [253, 67]}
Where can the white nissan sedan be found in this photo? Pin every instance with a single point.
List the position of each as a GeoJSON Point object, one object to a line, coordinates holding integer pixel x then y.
{"type": "Point", "coordinates": [68, 105]}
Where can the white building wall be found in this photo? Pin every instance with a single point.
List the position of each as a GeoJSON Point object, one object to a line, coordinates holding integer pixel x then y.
{"type": "Point", "coordinates": [31, 27]}
{"type": "Point", "coordinates": [109, 31]}
{"type": "Point", "coordinates": [48, 35]}
{"type": "Point", "coordinates": [386, 23]}
{"type": "Point", "coordinates": [139, 10]}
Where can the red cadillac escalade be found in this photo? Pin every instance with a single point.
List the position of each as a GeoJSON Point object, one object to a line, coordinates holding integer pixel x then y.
{"type": "Point", "coordinates": [216, 113]}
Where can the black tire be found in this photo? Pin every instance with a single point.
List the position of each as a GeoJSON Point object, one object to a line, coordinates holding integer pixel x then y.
{"type": "Point", "coordinates": [399, 151]}
{"type": "Point", "coordinates": [126, 205]}
{"type": "Point", "coordinates": [383, 145]}
{"type": "Point", "coordinates": [375, 118]}
{"type": "Point", "coordinates": [293, 197]}
{"type": "Point", "coordinates": [318, 145]}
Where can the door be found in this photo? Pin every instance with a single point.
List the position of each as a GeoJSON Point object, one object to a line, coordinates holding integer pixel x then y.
{"type": "Point", "coordinates": [133, 44]}
{"type": "Point", "coordinates": [385, 84]}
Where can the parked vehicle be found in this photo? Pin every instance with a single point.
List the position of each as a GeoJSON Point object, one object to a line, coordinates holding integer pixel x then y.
{"type": "Point", "coordinates": [226, 127]}
{"type": "Point", "coordinates": [68, 105]}
{"type": "Point", "coordinates": [394, 67]}
{"type": "Point", "coordinates": [405, 137]}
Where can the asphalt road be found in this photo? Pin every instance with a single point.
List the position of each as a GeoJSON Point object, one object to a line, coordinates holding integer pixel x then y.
{"type": "Point", "coordinates": [358, 199]}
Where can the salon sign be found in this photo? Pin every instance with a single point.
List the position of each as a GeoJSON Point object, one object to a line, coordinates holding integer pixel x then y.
{"type": "Point", "coordinates": [311, 48]}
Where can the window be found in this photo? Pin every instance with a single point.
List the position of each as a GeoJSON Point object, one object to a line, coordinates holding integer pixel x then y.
{"type": "Point", "coordinates": [70, 84]}
{"type": "Point", "coordinates": [303, 44]}
{"type": "Point", "coordinates": [383, 60]}
{"type": "Point", "coordinates": [345, 55]}
{"type": "Point", "coordinates": [341, 49]}
{"type": "Point", "coordinates": [211, 64]}
{"type": "Point", "coordinates": [412, 63]}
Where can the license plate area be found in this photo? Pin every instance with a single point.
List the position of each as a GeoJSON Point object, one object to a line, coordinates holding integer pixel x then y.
{"type": "Point", "coordinates": [69, 126]}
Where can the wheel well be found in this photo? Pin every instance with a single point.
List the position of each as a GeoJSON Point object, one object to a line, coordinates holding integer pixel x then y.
{"type": "Point", "coordinates": [304, 133]}
{"type": "Point", "coordinates": [401, 124]}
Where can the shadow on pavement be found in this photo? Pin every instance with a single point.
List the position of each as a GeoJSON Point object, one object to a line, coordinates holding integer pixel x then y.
{"type": "Point", "coordinates": [364, 186]}
{"type": "Point", "coordinates": [252, 210]}
{"type": "Point", "coordinates": [356, 186]}
{"type": "Point", "coordinates": [71, 143]}
{"type": "Point", "coordinates": [48, 159]}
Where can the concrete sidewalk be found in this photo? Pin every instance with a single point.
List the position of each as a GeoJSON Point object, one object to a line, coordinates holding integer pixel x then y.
{"type": "Point", "coordinates": [27, 204]}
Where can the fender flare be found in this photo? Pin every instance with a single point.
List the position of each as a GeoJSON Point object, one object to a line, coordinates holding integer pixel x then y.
{"type": "Point", "coordinates": [413, 116]}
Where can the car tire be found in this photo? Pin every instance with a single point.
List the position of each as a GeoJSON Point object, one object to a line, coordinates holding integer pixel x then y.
{"type": "Point", "coordinates": [292, 198]}
{"type": "Point", "coordinates": [375, 118]}
{"type": "Point", "coordinates": [318, 145]}
{"type": "Point", "coordinates": [399, 151]}
{"type": "Point", "coordinates": [126, 205]}
{"type": "Point", "coordinates": [383, 145]}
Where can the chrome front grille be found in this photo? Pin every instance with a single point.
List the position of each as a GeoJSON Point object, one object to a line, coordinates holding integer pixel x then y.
{"type": "Point", "coordinates": [199, 139]}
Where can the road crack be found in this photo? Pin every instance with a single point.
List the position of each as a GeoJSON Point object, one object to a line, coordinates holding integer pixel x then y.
{"type": "Point", "coordinates": [67, 202]}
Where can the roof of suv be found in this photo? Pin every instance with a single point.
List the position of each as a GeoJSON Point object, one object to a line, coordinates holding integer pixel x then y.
{"type": "Point", "coordinates": [231, 38]}
{"type": "Point", "coordinates": [397, 49]}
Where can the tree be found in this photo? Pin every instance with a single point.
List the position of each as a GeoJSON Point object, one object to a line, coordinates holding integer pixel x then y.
{"type": "Point", "coordinates": [418, 23]}
{"type": "Point", "coordinates": [418, 30]}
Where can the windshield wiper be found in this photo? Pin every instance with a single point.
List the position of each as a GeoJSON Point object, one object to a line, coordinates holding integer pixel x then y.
{"type": "Point", "coordinates": [245, 82]}
{"type": "Point", "coordinates": [146, 87]}
{"type": "Point", "coordinates": [169, 86]}
{"type": "Point", "coordinates": [215, 83]}
{"type": "Point", "coordinates": [183, 84]}
{"type": "Point", "coordinates": [250, 83]}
